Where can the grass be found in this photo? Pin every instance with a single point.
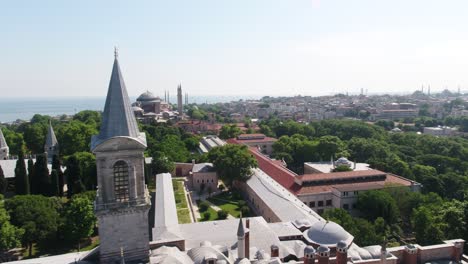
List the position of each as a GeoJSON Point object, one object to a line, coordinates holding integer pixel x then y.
{"type": "Point", "coordinates": [228, 201]}
{"type": "Point", "coordinates": [183, 212]}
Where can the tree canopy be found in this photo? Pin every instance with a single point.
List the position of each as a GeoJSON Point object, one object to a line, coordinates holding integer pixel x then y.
{"type": "Point", "coordinates": [232, 162]}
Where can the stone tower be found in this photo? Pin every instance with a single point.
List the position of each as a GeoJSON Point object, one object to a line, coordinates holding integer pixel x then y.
{"type": "Point", "coordinates": [4, 149]}
{"type": "Point", "coordinates": [51, 145]}
{"type": "Point", "coordinates": [180, 107]}
{"type": "Point", "coordinates": [122, 201]}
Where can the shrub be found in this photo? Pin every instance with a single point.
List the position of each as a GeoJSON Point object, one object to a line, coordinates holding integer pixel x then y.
{"type": "Point", "coordinates": [222, 214]}
{"type": "Point", "coordinates": [245, 210]}
{"type": "Point", "coordinates": [241, 203]}
{"type": "Point", "coordinates": [206, 215]}
{"type": "Point", "coordinates": [203, 206]}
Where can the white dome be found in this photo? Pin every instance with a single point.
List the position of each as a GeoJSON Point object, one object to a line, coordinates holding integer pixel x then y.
{"type": "Point", "coordinates": [327, 233]}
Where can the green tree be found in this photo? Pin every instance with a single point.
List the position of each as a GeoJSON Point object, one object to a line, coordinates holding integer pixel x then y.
{"type": "Point", "coordinates": [57, 166]}
{"type": "Point", "coordinates": [36, 214]}
{"type": "Point", "coordinates": [31, 174]}
{"type": "Point", "coordinates": [73, 174]}
{"type": "Point", "coordinates": [232, 162]}
{"type": "Point", "coordinates": [87, 162]}
{"type": "Point", "coordinates": [54, 184]}
{"type": "Point", "coordinates": [34, 136]}
{"type": "Point", "coordinates": [377, 203]}
{"type": "Point", "coordinates": [10, 236]}
{"type": "Point", "coordinates": [222, 214]}
{"type": "Point", "coordinates": [3, 182]}
{"type": "Point", "coordinates": [21, 176]}
{"type": "Point", "coordinates": [79, 219]}
{"type": "Point", "coordinates": [75, 136]}
{"type": "Point", "coordinates": [41, 176]}
{"type": "Point", "coordinates": [161, 164]}
{"type": "Point", "coordinates": [229, 131]}
{"type": "Point", "coordinates": [427, 230]}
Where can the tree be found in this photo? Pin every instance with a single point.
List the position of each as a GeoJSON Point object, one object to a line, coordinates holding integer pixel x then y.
{"type": "Point", "coordinates": [57, 166]}
{"type": "Point", "coordinates": [35, 214]}
{"type": "Point", "coordinates": [87, 163]}
{"type": "Point", "coordinates": [54, 184]}
{"type": "Point", "coordinates": [75, 136]}
{"type": "Point", "coordinates": [161, 164]}
{"type": "Point", "coordinates": [10, 236]}
{"type": "Point", "coordinates": [229, 131]}
{"type": "Point", "coordinates": [21, 176]}
{"type": "Point", "coordinates": [3, 182]}
{"type": "Point", "coordinates": [377, 203]}
{"type": "Point", "coordinates": [34, 136]}
{"type": "Point", "coordinates": [79, 219]}
{"type": "Point", "coordinates": [30, 174]}
{"type": "Point", "coordinates": [232, 162]}
{"type": "Point", "coordinates": [73, 174]}
{"type": "Point", "coordinates": [41, 175]}
{"type": "Point", "coordinates": [222, 214]}
{"type": "Point", "coordinates": [427, 231]}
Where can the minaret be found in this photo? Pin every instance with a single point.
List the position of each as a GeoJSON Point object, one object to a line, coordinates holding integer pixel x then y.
{"type": "Point", "coordinates": [240, 240]}
{"type": "Point", "coordinates": [51, 145]}
{"type": "Point", "coordinates": [122, 200]}
{"type": "Point", "coordinates": [180, 107]}
{"type": "Point", "coordinates": [4, 149]}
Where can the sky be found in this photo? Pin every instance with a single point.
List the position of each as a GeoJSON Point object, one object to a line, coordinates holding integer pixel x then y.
{"type": "Point", "coordinates": [226, 47]}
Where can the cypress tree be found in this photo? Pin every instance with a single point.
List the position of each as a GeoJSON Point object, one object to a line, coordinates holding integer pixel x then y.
{"type": "Point", "coordinates": [32, 187]}
{"type": "Point", "coordinates": [54, 183]}
{"type": "Point", "coordinates": [21, 176]}
{"type": "Point", "coordinates": [41, 175]}
{"type": "Point", "coordinates": [57, 166]}
{"type": "Point", "coordinates": [3, 182]}
{"type": "Point", "coordinates": [73, 174]}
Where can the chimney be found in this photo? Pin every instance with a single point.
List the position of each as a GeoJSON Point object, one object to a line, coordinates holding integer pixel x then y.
{"type": "Point", "coordinates": [410, 254]}
{"type": "Point", "coordinates": [342, 252]}
{"type": "Point", "coordinates": [193, 162]}
{"type": "Point", "coordinates": [309, 254]}
{"type": "Point", "coordinates": [383, 252]}
{"type": "Point", "coordinates": [247, 239]}
{"type": "Point", "coordinates": [354, 167]}
{"type": "Point", "coordinates": [457, 251]}
{"type": "Point", "coordinates": [274, 251]}
{"type": "Point", "coordinates": [323, 255]}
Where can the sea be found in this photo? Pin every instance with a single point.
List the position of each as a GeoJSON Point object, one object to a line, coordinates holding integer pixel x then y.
{"type": "Point", "coordinates": [12, 109]}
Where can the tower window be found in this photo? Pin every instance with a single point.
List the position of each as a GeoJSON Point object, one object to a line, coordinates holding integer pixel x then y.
{"type": "Point", "coordinates": [121, 181]}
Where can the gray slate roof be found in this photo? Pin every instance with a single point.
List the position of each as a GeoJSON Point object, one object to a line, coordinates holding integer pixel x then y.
{"type": "Point", "coordinates": [3, 143]}
{"type": "Point", "coordinates": [118, 119]}
{"type": "Point", "coordinates": [51, 140]}
{"type": "Point", "coordinates": [203, 167]}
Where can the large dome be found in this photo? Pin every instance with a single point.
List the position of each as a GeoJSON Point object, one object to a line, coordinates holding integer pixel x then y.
{"type": "Point", "coordinates": [327, 233]}
{"type": "Point", "coordinates": [147, 96]}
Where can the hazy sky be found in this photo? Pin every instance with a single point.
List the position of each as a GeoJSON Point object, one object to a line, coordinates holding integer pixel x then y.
{"type": "Point", "coordinates": [233, 47]}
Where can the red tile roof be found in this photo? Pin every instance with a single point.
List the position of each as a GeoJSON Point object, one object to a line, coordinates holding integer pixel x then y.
{"type": "Point", "coordinates": [391, 180]}
{"type": "Point", "coordinates": [340, 175]}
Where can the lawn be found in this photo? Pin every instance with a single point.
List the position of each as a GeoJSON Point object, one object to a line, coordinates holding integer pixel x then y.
{"type": "Point", "coordinates": [183, 212]}
{"type": "Point", "coordinates": [228, 201]}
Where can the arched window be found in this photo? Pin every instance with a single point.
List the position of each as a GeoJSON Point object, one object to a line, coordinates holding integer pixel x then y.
{"type": "Point", "coordinates": [121, 181]}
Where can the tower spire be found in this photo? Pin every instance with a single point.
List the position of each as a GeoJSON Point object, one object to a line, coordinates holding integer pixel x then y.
{"type": "Point", "coordinates": [116, 52]}
{"type": "Point", "coordinates": [118, 119]}
{"type": "Point", "coordinates": [4, 150]}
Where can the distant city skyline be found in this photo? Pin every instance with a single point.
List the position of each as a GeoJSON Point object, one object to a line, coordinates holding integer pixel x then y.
{"type": "Point", "coordinates": [251, 48]}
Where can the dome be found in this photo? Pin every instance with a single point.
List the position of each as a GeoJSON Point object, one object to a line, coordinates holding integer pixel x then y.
{"type": "Point", "coordinates": [327, 233]}
{"type": "Point", "coordinates": [309, 250]}
{"type": "Point", "coordinates": [343, 161]}
{"type": "Point", "coordinates": [146, 96]}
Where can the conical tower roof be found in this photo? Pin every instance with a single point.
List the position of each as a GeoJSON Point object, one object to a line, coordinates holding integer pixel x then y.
{"type": "Point", "coordinates": [3, 143]}
{"type": "Point", "coordinates": [240, 229]}
{"type": "Point", "coordinates": [118, 119]}
{"type": "Point", "coordinates": [51, 140]}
